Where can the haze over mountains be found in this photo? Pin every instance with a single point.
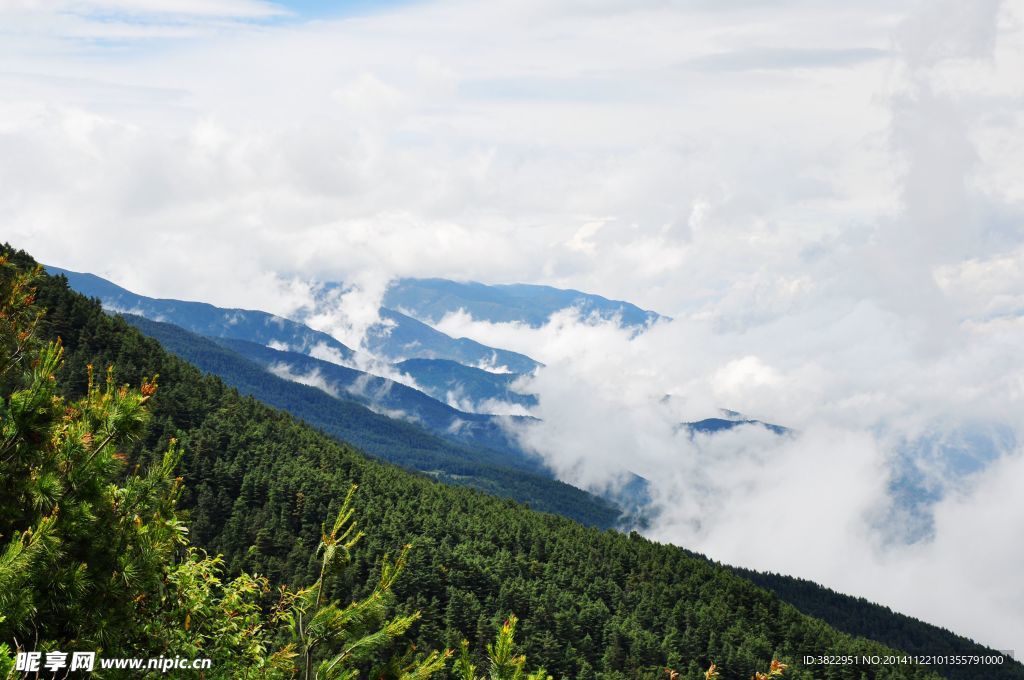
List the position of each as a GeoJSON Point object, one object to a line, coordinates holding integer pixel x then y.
{"type": "Point", "coordinates": [404, 369]}
{"type": "Point", "coordinates": [397, 337]}
{"type": "Point", "coordinates": [458, 371]}
{"type": "Point", "coordinates": [471, 414]}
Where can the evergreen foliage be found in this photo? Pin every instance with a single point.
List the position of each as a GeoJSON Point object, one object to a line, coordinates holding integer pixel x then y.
{"type": "Point", "coordinates": [857, 616]}
{"type": "Point", "coordinates": [359, 632]}
{"type": "Point", "coordinates": [502, 661]}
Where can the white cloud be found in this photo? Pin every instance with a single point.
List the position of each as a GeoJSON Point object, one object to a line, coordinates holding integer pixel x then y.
{"type": "Point", "coordinates": [368, 144]}
{"type": "Point", "coordinates": [312, 378]}
{"type": "Point", "coordinates": [859, 389]}
{"type": "Point", "coordinates": [349, 312]}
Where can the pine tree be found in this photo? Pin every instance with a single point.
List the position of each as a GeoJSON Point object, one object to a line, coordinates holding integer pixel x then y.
{"type": "Point", "coordinates": [356, 633]}
{"type": "Point", "coordinates": [75, 550]}
{"type": "Point", "coordinates": [503, 661]}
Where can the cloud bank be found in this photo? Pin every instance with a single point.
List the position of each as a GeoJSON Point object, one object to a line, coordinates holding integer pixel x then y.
{"type": "Point", "coordinates": [829, 502]}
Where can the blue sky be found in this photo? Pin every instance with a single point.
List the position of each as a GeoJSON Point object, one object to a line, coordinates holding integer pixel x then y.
{"type": "Point", "coordinates": [327, 9]}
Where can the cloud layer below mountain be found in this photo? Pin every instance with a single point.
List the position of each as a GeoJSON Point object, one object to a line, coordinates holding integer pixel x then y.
{"type": "Point", "coordinates": [869, 400]}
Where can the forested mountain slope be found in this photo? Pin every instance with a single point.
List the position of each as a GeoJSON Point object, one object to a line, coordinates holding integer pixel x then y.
{"type": "Point", "coordinates": [593, 604]}
{"type": "Point", "coordinates": [858, 616]}
{"type": "Point", "coordinates": [402, 443]}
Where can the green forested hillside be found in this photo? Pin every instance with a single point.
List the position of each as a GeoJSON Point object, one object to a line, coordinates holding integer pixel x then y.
{"type": "Point", "coordinates": [406, 444]}
{"type": "Point", "coordinates": [96, 565]}
{"type": "Point", "coordinates": [858, 616]}
{"type": "Point", "coordinates": [593, 604]}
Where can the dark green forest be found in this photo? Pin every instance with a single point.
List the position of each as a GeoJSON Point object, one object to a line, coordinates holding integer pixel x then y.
{"type": "Point", "coordinates": [858, 616]}
{"type": "Point", "coordinates": [254, 485]}
{"type": "Point", "coordinates": [501, 473]}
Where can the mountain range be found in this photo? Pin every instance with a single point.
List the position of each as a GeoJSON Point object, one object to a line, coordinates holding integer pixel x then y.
{"type": "Point", "coordinates": [396, 338]}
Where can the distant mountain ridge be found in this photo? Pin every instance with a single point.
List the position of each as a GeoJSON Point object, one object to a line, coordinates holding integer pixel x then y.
{"type": "Point", "coordinates": [409, 445]}
{"type": "Point", "coordinates": [410, 308]}
{"type": "Point", "coordinates": [391, 398]}
{"type": "Point", "coordinates": [713, 425]}
{"type": "Point", "coordinates": [206, 319]}
{"type": "Point", "coordinates": [448, 380]}
{"type": "Point", "coordinates": [398, 338]}
{"type": "Point", "coordinates": [429, 300]}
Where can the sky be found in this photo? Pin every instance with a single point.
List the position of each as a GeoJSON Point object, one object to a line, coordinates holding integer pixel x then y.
{"type": "Point", "coordinates": [826, 198]}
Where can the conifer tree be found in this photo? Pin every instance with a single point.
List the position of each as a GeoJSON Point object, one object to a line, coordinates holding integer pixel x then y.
{"type": "Point", "coordinates": [358, 632]}
{"type": "Point", "coordinates": [503, 662]}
